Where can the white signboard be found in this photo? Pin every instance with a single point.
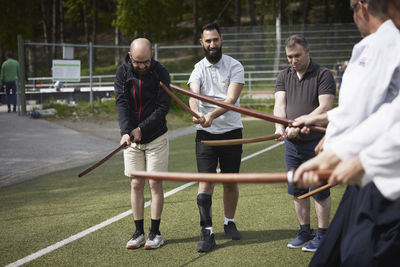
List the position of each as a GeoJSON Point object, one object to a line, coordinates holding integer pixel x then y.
{"type": "Point", "coordinates": [66, 70]}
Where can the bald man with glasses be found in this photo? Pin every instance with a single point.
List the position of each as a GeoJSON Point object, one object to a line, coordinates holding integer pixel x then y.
{"type": "Point", "coordinates": [142, 109]}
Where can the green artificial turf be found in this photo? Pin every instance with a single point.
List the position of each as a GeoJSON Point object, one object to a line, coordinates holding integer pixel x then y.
{"type": "Point", "coordinates": [40, 212]}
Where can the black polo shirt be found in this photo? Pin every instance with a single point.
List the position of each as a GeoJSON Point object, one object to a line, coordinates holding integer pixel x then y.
{"type": "Point", "coordinates": [302, 94]}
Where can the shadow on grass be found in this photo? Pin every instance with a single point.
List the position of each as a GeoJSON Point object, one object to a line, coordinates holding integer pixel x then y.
{"type": "Point", "coordinates": [248, 237]}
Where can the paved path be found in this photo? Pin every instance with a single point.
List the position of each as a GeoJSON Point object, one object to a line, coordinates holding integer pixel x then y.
{"type": "Point", "coordinates": [32, 147]}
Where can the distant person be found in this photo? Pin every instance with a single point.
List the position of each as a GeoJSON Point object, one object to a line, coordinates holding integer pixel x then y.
{"type": "Point", "coordinates": [142, 109]}
{"type": "Point", "coordinates": [339, 76]}
{"type": "Point", "coordinates": [303, 88]}
{"type": "Point", "coordinates": [221, 77]}
{"type": "Point", "coordinates": [8, 77]}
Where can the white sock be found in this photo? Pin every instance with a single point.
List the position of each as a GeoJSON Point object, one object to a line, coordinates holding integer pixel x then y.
{"type": "Point", "coordinates": [210, 228]}
{"type": "Point", "coordinates": [228, 220]}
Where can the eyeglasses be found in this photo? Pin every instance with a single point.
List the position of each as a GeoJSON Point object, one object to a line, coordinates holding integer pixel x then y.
{"type": "Point", "coordinates": [135, 62]}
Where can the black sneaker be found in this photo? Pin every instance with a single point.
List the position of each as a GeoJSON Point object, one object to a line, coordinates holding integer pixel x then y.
{"type": "Point", "coordinates": [207, 241]}
{"type": "Point", "coordinates": [231, 231]}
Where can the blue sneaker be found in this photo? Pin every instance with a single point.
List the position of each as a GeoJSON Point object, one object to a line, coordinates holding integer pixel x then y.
{"type": "Point", "coordinates": [314, 244]}
{"type": "Point", "coordinates": [302, 238]}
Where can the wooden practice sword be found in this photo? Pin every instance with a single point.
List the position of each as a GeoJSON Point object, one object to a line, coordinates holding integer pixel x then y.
{"type": "Point", "coordinates": [278, 177]}
{"type": "Point", "coordinates": [242, 110]}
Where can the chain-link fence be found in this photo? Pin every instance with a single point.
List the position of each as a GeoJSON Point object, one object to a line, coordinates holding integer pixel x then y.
{"type": "Point", "coordinates": [259, 49]}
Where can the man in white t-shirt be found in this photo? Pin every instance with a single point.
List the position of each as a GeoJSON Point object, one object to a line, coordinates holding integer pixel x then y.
{"type": "Point", "coordinates": [221, 77]}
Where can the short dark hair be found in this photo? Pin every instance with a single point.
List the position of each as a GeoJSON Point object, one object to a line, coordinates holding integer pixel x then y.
{"type": "Point", "coordinates": [211, 26]}
{"type": "Point", "coordinates": [9, 54]}
{"type": "Point", "coordinates": [377, 8]}
{"type": "Point", "coordinates": [295, 39]}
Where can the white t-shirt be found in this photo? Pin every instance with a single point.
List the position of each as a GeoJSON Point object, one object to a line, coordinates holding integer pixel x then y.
{"type": "Point", "coordinates": [214, 80]}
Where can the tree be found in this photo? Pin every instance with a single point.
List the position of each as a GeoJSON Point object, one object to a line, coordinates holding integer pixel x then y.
{"type": "Point", "coordinates": [154, 19]}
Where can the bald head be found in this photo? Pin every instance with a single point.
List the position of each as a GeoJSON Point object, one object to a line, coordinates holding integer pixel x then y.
{"type": "Point", "coordinates": [140, 47]}
{"type": "Point", "coordinates": [140, 54]}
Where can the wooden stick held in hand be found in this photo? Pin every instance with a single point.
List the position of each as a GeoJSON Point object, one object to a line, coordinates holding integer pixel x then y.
{"type": "Point", "coordinates": [97, 164]}
{"type": "Point", "coordinates": [316, 191]}
{"type": "Point", "coordinates": [242, 110]}
{"type": "Point", "coordinates": [180, 102]}
{"type": "Point", "coordinates": [278, 177]}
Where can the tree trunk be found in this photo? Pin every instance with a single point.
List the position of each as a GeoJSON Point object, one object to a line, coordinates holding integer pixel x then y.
{"type": "Point", "coordinates": [31, 60]}
{"type": "Point", "coordinates": [94, 27]}
{"type": "Point", "coordinates": [305, 15]}
{"type": "Point", "coordinates": [327, 11]}
{"type": "Point", "coordinates": [278, 30]}
{"type": "Point", "coordinates": [262, 4]}
{"type": "Point", "coordinates": [282, 12]}
{"type": "Point", "coordinates": [45, 31]}
{"type": "Point", "coordinates": [252, 12]}
{"type": "Point", "coordinates": [54, 29]}
{"type": "Point", "coordinates": [85, 23]}
{"type": "Point", "coordinates": [196, 22]}
{"type": "Point", "coordinates": [116, 42]}
{"type": "Point", "coordinates": [305, 11]}
{"type": "Point", "coordinates": [61, 6]}
{"type": "Point", "coordinates": [195, 30]}
{"type": "Point", "coordinates": [237, 13]}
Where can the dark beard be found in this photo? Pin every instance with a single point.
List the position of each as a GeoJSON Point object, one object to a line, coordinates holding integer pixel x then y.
{"type": "Point", "coordinates": [215, 57]}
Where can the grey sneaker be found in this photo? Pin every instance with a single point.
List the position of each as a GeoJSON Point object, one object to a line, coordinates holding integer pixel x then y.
{"type": "Point", "coordinates": [154, 241]}
{"type": "Point", "coordinates": [136, 241]}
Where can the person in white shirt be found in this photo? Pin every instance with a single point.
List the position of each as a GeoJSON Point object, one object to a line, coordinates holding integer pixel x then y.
{"type": "Point", "coordinates": [369, 211]}
{"type": "Point", "coordinates": [221, 77]}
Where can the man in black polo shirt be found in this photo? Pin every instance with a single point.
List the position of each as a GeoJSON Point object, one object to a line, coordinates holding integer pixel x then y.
{"type": "Point", "coordinates": [303, 88]}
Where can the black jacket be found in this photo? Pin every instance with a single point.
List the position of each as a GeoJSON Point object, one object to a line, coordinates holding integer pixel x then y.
{"type": "Point", "coordinates": [141, 101]}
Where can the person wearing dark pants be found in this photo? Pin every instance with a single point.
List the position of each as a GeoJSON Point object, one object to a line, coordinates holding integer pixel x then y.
{"type": "Point", "coordinates": [8, 76]}
{"type": "Point", "coordinates": [303, 88]}
{"type": "Point", "coordinates": [221, 77]}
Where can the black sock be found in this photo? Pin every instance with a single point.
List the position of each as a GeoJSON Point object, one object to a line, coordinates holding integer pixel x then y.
{"type": "Point", "coordinates": [305, 227]}
{"type": "Point", "coordinates": [204, 203]}
{"type": "Point", "coordinates": [155, 226]}
{"type": "Point", "coordinates": [322, 230]}
{"type": "Point", "coordinates": [139, 226]}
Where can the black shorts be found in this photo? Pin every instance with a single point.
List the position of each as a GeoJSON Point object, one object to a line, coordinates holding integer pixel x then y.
{"type": "Point", "coordinates": [228, 157]}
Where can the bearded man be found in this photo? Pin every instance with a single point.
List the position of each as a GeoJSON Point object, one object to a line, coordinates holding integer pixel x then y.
{"type": "Point", "coordinates": [220, 77]}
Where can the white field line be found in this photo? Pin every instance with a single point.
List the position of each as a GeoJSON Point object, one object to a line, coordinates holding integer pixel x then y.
{"type": "Point", "coordinates": [92, 229]}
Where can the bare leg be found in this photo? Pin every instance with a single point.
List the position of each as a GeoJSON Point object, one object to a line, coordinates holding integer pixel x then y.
{"type": "Point", "coordinates": [157, 198]}
{"type": "Point", "coordinates": [302, 208]}
{"type": "Point", "coordinates": [323, 211]}
{"type": "Point", "coordinates": [231, 196]}
{"type": "Point", "coordinates": [137, 198]}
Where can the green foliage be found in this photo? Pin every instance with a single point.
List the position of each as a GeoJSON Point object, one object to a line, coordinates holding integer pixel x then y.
{"type": "Point", "coordinates": [153, 19]}
{"type": "Point", "coordinates": [14, 19]}
{"type": "Point", "coordinates": [105, 110]}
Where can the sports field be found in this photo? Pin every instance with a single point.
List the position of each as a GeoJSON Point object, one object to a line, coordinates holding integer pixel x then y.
{"type": "Point", "coordinates": [36, 214]}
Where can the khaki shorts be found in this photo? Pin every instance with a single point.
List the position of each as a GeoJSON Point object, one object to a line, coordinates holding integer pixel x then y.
{"type": "Point", "coordinates": [149, 157]}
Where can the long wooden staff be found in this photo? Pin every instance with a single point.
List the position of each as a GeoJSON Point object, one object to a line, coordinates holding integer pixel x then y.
{"type": "Point", "coordinates": [180, 102]}
{"type": "Point", "coordinates": [316, 191]}
{"type": "Point", "coordinates": [242, 110]}
{"type": "Point", "coordinates": [97, 164]}
{"type": "Point", "coordinates": [230, 142]}
{"type": "Point", "coordinates": [277, 177]}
